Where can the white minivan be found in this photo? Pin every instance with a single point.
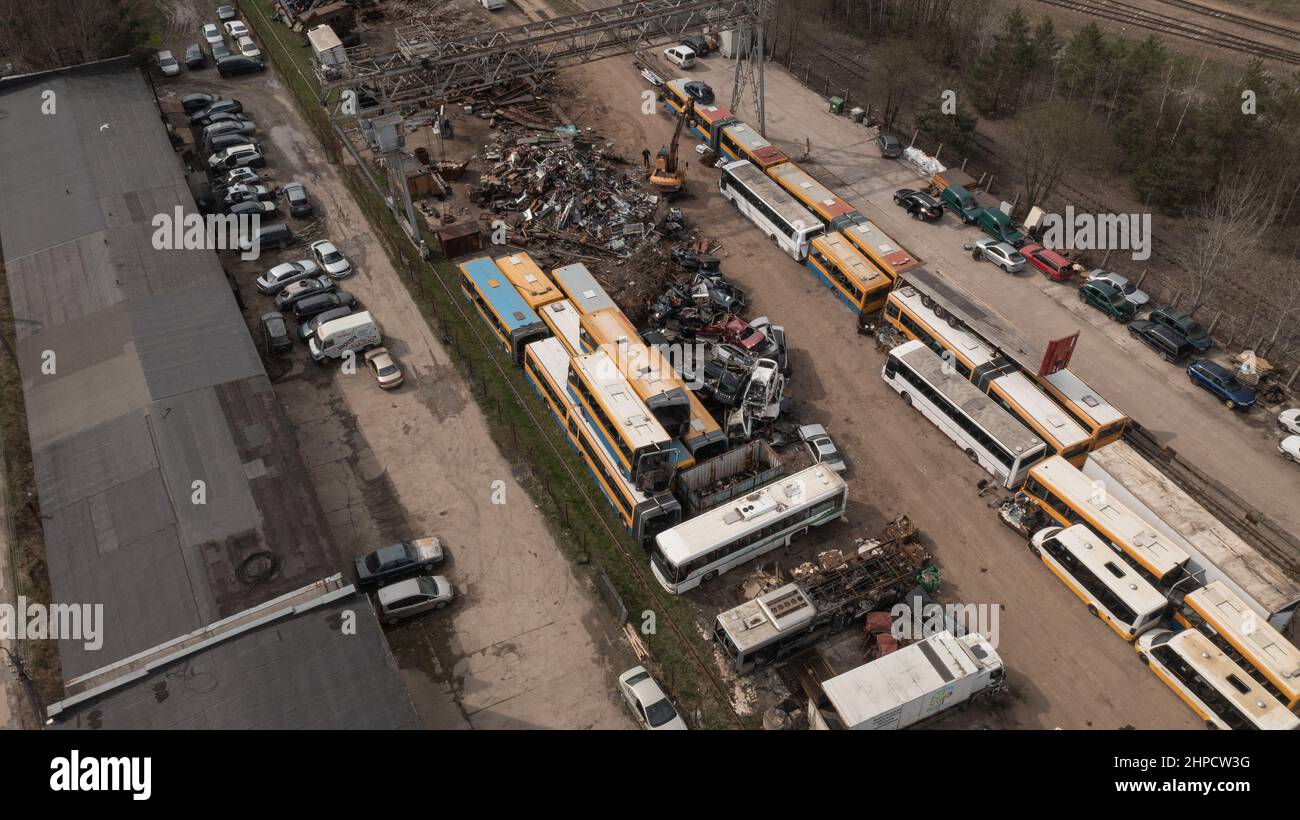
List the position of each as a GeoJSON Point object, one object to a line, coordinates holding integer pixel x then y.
{"type": "Point", "coordinates": [683, 56]}
{"type": "Point", "coordinates": [493, 5]}
{"type": "Point", "coordinates": [357, 332]}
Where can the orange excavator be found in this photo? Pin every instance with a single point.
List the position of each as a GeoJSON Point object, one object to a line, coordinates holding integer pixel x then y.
{"type": "Point", "coordinates": [667, 177]}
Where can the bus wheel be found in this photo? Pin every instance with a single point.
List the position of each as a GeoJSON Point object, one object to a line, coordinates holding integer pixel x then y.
{"type": "Point", "coordinates": [927, 302]}
{"type": "Point", "coordinates": [907, 400]}
{"type": "Point", "coordinates": [1093, 610]}
{"type": "Point", "coordinates": [1142, 656]}
{"type": "Point", "coordinates": [970, 454]}
{"type": "Point", "coordinates": [1209, 724]}
{"type": "Point", "coordinates": [709, 576]}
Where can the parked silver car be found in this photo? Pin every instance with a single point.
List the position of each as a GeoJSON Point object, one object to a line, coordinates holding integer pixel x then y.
{"type": "Point", "coordinates": [1134, 296]}
{"type": "Point", "coordinates": [823, 450]}
{"type": "Point", "coordinates": [1001, 254]}
{"type": "Point", "coordinates": [652, 708]}
{"type": "Point", "coordinates": [413, 596]}
{"type": "Point", "coordinates": [274, 280]}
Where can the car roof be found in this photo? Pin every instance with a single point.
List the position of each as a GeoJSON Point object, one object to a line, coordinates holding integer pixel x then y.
{"type": "Point", "coordinates": [1214, 367]}
{"type": "Point", "coordinates": [398, 590]}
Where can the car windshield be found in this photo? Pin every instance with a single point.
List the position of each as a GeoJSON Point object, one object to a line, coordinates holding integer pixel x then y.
{"type": "Point", "coordinates": [1016, 257]}
{"type": "Point", "coordinates": [426, 585]}
{"type": "Point", "coordinates": [388, 370]}
{"type": "Point", "coordinates": [657, 714]}
{"type": "Point", "coordinates": [332, 257]}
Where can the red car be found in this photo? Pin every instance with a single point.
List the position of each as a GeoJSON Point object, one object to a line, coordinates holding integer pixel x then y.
{"type": "Point", "coordinates": [734, 330]}
{"type": "Point", "coordinates": [1057, 267]}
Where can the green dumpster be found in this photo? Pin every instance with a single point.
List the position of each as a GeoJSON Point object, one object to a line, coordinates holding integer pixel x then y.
{"type": "Point", "coordinates": [837, 105]}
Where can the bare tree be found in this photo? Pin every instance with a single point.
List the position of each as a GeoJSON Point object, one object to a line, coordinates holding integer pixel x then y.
{"type": "Point", "coordinates": [1230, 225]}
{"type": "Point", "coordinates": [1054, 139]}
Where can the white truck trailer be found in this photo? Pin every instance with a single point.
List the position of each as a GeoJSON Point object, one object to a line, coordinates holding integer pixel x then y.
{"type": "Point", "coordinates": [910, 686]}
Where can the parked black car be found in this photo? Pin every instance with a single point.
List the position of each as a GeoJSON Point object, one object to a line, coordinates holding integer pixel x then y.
{"type": "Point", "coordinates": [193, 103]}
{"type": "Point", "coordinates": [234, 66]}
{"type": "Point", "coordinates": [1186, 326]}
{"type": "Point", "coordinates": [195, 58]}
{"type": "Point", "coordinates": [275, 235]}
{"type": "Point", "coordinates": [918, 203]}
{"type": "Point", "coordinates": [1169, 343]}
{"type": "Point", "coordinates": [312, 305]}
{"type": "Point", "coordinates": [276, 333]}
{"type": "Point", "coordinates": [217, 106]}
{"type": "Point", "coordinates": [399, 560]}
{"type": "Point", "coordinates": [295, 196]}
{"type": "Point", "coordinates": [698, 44]}
{"type": "Point", "coordinates": [220, 142]}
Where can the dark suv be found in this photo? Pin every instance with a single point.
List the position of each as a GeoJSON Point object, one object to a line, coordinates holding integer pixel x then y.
{"type": "Point", "coordinates": [919, 204]}
{"type": "Point", "coordinates": [1169, 343]}
{"type": "Point", "coordinates": [235, 65]}
{"type": "Point", "coordinates": [1188, 327]}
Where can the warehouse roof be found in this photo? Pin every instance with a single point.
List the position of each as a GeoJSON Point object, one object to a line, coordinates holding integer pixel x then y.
{"type": "Point", "coordinates": [170, 486]}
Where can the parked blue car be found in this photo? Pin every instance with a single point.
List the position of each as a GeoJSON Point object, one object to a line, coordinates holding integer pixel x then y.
{"type": "Point", "coordinates": [1221, 381]}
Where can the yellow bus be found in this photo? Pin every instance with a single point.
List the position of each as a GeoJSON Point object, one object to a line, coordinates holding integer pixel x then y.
{"type": "Point", "coordinates": [500, 306]}
{"type": "Point", "coordinates": [546, 365]}
{"type": "Point", "coordinates": [1209, 682]}
{"type": "Point", "coordinates": [1104, 423]}
{"type": "Point", "coordinates": [638, 443]}
{"type": "Point", "coordinates": [1246, 637]}
{"type": "Point", "coordinates": [886, 255]}
{"type": "Point", "coordinates": [581, 288]}
{"type": "Point", "coordinates": [844, 269]}
{"type": "Point", "coordinates": [534, 287]}
{"type": "Point", "coordinates": [565, 323]}
{"type": "Point", "coordinates": [657, 384]}
{"type": "Point", "coordinates": [1069, 497]}
{"type": "Point", "coordinates": [994, 374]}
{"type": "Point", "coordinates": [833, 212]}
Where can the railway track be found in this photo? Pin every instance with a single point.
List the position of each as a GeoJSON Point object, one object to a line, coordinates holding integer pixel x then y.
{"type": "Point", "coordinates": [1236, 19]}
{"type": "Point", "coordinates": [1127, 14]}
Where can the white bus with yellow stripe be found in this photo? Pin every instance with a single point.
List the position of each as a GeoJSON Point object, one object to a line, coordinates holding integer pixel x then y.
{"type": "Point", "coordinates": [1246, 637]}
{"type": "Point", "coordinates": [1208, 681]}
{"type": "Point", "coordinates": [1113, 591]}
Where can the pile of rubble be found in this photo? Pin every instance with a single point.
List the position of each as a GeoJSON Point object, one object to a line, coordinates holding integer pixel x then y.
{"type": "Point", "coordinates": [555, 185]}
{"type": "Point", "coordinates": [736, 364]}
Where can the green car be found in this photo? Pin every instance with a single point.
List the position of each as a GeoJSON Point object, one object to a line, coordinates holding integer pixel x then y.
{"type": "Point", "coordinates": [1108, 299]}
{"type": "Point", "coordinates": [997, 224]}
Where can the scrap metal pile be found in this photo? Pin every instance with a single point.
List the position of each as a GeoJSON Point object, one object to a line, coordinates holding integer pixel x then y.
{"type": "Point", "coordinates": [733, 363]}
{"type": "Point", "coordinates": [557, 186]}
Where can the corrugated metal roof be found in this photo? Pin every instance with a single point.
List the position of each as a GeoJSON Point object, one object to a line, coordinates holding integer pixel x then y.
{"type": "Point", "coordinates": [156, 385]}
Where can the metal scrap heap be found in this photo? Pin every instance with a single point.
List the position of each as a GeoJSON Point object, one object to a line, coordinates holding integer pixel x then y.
{"type": "Point", "coordinates": [559, 187]}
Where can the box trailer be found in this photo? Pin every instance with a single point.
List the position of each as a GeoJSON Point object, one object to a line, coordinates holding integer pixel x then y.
{"type": "Point", "coordinates": [913, 685]}
{"type": "Point", "coordinates": [722, 478]}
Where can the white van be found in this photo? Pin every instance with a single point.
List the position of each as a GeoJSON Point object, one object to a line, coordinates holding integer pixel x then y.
{"type": "Point", "coordinates": [683, 56]}
{"type": "Point", "coordinates": [356, 332]}
{"type": "Point", "coordinates": [493, 5]}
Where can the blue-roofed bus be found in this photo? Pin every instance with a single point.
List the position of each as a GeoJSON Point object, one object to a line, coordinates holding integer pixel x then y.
{"type": "Point", "coordinates": [645, 515]}
{"type": "Point", "coordinates": [511, 320]}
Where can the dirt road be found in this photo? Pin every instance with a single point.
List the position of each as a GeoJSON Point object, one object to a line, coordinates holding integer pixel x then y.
{"type": "Point", "coordinates": [526, 644]}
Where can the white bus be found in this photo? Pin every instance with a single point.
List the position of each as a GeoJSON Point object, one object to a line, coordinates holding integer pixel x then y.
{"type": "Point", "coordinates": [770, 207]}
{"type": "Point", "coordinates": [1103, 580]}
{"type": "Point", "coordinates": [702, 548]}
{"type": "Point", "coordinates": [1208, 681]}
{"type": "Point", "coordinates": [990, 436]}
